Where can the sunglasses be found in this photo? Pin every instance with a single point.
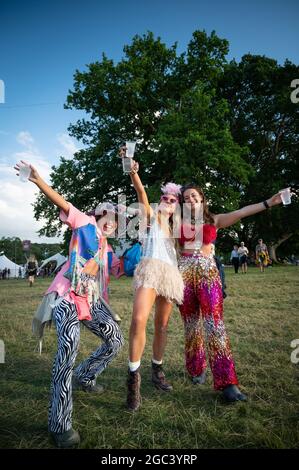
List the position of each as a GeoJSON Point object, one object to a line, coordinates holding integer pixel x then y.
{"type": "Point", "coordinates": [171, 200]}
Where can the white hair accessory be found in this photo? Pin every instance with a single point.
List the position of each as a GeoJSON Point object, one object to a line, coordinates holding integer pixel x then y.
{"type": "Point", "coordinates": [171, 188]}
{"type": "Point", "coordinates": [105, 207]}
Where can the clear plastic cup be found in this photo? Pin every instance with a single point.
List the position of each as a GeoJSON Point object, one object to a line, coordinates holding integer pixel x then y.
{"type": "Point", "coordinates": [24, 172]}
{"type": "Point", "coordinates": [128, 159]}
{"type": "Point", "coordinates": [285, 195]}
{"type": "Point", "coordinates": [130, 149]}
{"type": "Point", "coordinates": [127, 165]}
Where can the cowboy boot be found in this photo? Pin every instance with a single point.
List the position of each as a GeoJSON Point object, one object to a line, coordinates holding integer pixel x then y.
{"type": "Point", "coordinates": [158, 378]}
{"type": "Point", "coordinates": [133, 383]}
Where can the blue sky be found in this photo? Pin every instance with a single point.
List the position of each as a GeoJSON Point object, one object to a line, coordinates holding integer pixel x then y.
{"type": "Point", "coordinates": [42, 43]}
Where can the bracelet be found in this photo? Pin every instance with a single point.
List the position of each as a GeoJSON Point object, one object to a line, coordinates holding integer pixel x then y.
{"type": "Point", "coordinates": [266, 205]}
{"type": "Point", "coordinates": [132, 172]}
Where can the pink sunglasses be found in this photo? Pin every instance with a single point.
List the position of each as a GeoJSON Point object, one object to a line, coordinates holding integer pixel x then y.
{"type": "Point", "coordinates": [171, 200]}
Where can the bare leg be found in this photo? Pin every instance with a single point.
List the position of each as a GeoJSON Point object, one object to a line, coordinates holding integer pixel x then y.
{"type": "Point", "coordinates": [143, 302]}
{"type": "Point", "coordinates": [162, 315]}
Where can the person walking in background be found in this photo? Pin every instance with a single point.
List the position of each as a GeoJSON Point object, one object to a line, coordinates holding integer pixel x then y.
{"type": "Point", "coordinates": [234, 257]}
{"type": "Point", "coordinates": [32, 267]}
{"type": "Point", "coordinates": [243, 253]}
{"type": "Point", "coordinates": [262, 255]}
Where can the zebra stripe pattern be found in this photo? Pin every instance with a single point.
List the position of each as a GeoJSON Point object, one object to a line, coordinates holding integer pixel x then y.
{"type": "Point", "coordinates": [68, 332]}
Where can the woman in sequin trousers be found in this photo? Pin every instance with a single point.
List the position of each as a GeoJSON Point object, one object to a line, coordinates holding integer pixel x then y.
{"type": "Point", "coordinates": [203, 299]}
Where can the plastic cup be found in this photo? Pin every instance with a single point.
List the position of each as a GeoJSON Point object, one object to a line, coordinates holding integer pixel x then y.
{"type": "Point", "coordinates": [127, 165]}
{"type": "Point", "coordinates": [127, 160]}
{"type": "Point", "coordinates": [285, 195]}
{"type": "Point", "coordinates": [130, 149]}
{"type": "Point", "coordinates": [24, 172]}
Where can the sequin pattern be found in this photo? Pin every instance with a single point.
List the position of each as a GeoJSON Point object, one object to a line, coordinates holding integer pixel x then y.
{"type": "Point", "coordinates": [202, 309]}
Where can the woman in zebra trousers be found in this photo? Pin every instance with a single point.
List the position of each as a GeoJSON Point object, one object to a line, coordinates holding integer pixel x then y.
{"type": "Point", "coordinates": [81, 294]}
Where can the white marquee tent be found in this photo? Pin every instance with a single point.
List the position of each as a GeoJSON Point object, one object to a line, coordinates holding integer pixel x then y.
{"type": "Point", "coordinates": [60, 259]}
{"type": "Point", "coordinates": [13, 267]}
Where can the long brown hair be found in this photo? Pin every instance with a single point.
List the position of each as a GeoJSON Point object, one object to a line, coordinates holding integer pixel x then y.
{"type": "Point", "coordinates": [174, 223]}
{"type": "Point", "coordinates": [208, 217]}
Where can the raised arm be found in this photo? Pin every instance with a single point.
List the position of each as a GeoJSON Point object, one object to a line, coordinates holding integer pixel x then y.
{"type": "Point", "coordinates": [225, 220]}
{"type": "Point", "coordinates": [49, 192]}
{"type": "Point", "coordinates": [138, 186]}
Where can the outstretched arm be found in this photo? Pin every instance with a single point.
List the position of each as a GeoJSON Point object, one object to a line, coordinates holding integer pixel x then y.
{"type": "Point", "coordinates": [49, 192]}
{"type": "Point", "coordinates": [225, 220]}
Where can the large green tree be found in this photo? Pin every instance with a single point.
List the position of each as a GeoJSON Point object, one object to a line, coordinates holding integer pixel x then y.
{"type": "Point", "coordinates": [171, 105]}
{"type": "Point", "coordinates": [228, 127]}
{"type": "Point", "coordinates": [265, 120]}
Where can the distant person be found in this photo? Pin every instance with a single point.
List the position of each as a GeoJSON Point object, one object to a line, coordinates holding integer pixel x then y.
{"type": "Point", "coordinates": [20, 272]}
{"type": "Point", "coordinates": [8, 273]}
{"type": "Point", "coordinates": [234, 257]}
{"type": "Point", "coordinates": [262, 255]}
{"type": "Point", "coordinates": [32, 267]}
{"type": "Point", "coordinates": [243, 254]}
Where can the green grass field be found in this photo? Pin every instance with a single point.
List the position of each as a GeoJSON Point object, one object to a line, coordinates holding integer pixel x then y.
{"type": "Point", "coordinates": [262, 319]}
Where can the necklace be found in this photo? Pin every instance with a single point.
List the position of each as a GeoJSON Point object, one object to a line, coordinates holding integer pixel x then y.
{"type": "Point", "coordinates": [195, 221]}
{"type": "Point", "coordinates": [198, 244]}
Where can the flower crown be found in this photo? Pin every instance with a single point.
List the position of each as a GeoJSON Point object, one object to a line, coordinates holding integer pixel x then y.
{"type": "Point", "coordinates": [171, 188]}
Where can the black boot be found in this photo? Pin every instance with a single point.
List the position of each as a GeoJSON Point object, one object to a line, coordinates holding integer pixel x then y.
{"type": "Point", "coordinates": [92, 387]}
{"type": "Point", "coordinates": [231, 393]}
{"type": "Point", "coordinates": [158, 378]}
{"type": "Point", "coordinates": [199, 379]}
{"type": "Point", "coordinates": [133, 383]}
{"type": "Point", "coordinates": [66, 439]}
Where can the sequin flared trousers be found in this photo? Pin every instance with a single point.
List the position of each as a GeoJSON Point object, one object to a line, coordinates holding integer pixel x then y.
{"type": "Point", "coordinates": [202, 309]}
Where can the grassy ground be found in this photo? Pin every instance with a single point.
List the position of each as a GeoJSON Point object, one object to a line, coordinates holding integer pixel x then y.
{"type": "Point", "coordinates": [262, 318]}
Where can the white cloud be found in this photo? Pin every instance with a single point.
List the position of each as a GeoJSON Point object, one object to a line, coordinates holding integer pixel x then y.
{"type": "Point", "coordinates": [68, 145]}
{"type": "Point", "coordinates": [16, 197]}
{"type": "Point", "coordinates": [26, 139]}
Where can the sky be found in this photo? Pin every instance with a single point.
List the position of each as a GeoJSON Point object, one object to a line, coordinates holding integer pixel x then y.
{"type": "Point", "coordinates": [43, 43]}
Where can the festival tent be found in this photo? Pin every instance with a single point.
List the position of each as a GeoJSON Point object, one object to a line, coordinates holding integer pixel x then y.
{"type": "Point", "coordinates": [58, 258]}
{"type": "Point", "coordinates": [13, 267]}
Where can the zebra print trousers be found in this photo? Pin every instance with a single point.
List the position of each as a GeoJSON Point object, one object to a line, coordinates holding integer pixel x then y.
{"type": "Point", "coordinates": [68, 332]}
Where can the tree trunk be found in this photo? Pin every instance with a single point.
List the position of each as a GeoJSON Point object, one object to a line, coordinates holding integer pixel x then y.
{"type": "Point", "coordinates": [273, 246]}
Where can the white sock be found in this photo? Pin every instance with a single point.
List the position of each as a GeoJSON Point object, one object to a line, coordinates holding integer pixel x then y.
{"type": "Point", "coordinates": [154, 361]}
{"type": "Point", "coordinates": [134, 365]}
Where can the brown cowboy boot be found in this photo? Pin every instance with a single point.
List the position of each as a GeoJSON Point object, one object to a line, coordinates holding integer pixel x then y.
{"type": "Point", "coordinates": [134, 397]}
{"type": "Point", "coordinates": [158, 378]}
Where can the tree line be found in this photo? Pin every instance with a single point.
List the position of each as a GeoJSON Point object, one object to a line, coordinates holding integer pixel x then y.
{"type": "Point", "coordinates": [12, 247]}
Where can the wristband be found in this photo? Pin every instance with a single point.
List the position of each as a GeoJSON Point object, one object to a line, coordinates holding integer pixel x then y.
{"type": "Point", "coordinates": [266, 205]}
